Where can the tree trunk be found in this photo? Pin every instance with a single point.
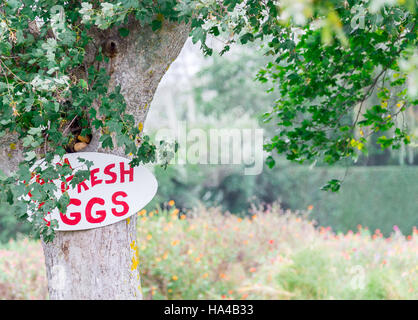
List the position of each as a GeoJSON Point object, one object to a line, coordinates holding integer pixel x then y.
{"type": "Point", "coordinates": [102, 263]}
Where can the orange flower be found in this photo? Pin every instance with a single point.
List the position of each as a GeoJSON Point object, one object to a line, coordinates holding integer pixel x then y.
{"type": "Point", "coordinates": [245, 296]}
{"type": "Point", "coordinates": [253, 270]}
{"type": "Point", "coordinates": [183, 216]}
{"type": "Point", "coordinates": [205, 275]}
{"type": "Point", "coordinates": [175, 278]}
{"type": "Point", "coordinates": [310, 207]}
{"type": "Point", "coordinates": [222, 275]}
{"type": "Point", "coordinates": [142, 212]}
{"type": "Point", "coordinates": [175, 212]}
{"type": "Point", "coordinates": [171, 203]}
{"type": "Point", "coordinates": [149, 236]}
{"type": "Point", "coordinates": [175, 242]}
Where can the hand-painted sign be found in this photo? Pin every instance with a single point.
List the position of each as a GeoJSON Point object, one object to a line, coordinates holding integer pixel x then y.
{"type": "Point", "coordinates": [113, 192]}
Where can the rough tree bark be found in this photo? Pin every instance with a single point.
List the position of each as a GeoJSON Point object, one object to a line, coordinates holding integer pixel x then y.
{"type": "Point", "coordinates": [102, 263]}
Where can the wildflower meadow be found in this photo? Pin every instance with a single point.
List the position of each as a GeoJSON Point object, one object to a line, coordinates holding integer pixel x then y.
{"type": "Point", "coordinates": [270, 254]}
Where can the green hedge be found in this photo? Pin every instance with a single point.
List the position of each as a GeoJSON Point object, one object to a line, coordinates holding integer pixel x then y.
{"type": "Point", "coordinates": [376, 197]}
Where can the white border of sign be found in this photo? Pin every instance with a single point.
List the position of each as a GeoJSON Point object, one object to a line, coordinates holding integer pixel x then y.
{"type": "Point", "coordinates": [114, 192]}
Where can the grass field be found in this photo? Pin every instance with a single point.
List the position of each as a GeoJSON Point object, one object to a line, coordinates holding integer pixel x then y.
{"type": "Point", "coordinates": [207, 254]}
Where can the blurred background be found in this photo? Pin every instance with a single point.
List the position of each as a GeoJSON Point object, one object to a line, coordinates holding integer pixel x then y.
{"type": "Point", "coordinates": [379, 191]}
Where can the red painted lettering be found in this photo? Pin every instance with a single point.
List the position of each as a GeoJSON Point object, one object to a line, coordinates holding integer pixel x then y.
{"type": "Point", "coordinates": [66, 161]}
{"type": "Point", "coordinates": [121, 203]}
{"type": "Point", "coordinates": [75, 215]}
{"type": "Point", "coordinates": [65, 186]}
{"type": "Point", "coordinates": [107, 171]}
{"type": "Point", "coordinates": [123, 172]}
{"type": "Point", "coordinates": [93, 177]}
{"type": "Point", "coordinates": [82, 184]}
{"type": "Point", "coordinates": [101, 214]}
{"type": "Point", "coordinates": [39, 180]}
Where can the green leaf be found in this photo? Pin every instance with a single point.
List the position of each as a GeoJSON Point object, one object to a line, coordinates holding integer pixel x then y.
{"type": "Point", "coordinates": [30, 155]}
{"type": "Point", "coordinates": [198, 34]}
{"type": "Point", "coordinates": [124, 32]}
{"type": "Point", "coordinates": [106, 141]}
{"type": "Point", "coordinates": [270, 162]}
{"type": "Point", "coordinates": [156, 25]}
{"type": "Point", "coordinates": [83, 84]}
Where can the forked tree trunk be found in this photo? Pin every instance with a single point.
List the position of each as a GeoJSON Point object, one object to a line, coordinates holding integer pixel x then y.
{"type": "Point", "coordinates": [102, 263]}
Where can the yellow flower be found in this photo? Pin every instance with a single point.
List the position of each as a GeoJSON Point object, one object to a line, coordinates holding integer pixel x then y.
{"type": "Point", "coordinates": [175, 278]}
{"type": "Point", "coordinates": [175, 242]}
{"type": "Point", "coordinates": [149, 236]}
{"type": "Point", "coordinates": [171, 203]}
{"type": "Point", "coordinates": [175, 212]}
{"type": "Point", "coordinates": [142, 212]}
{"type": "Point", "coordinates": [205, 275]}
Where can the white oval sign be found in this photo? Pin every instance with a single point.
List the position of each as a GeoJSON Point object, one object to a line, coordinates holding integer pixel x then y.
{"type": "Point", "coordinates": [113, 192]}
